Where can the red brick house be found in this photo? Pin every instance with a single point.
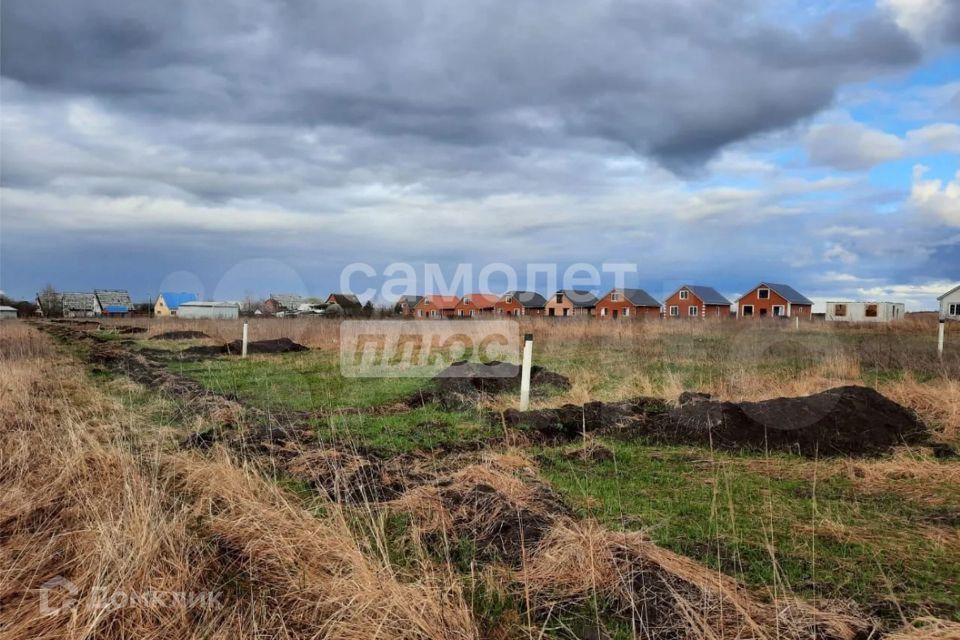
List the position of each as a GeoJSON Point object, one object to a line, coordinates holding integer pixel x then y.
{"type": "Point", "coordinates": [629, 304]}
{"type": "Point", "coordinates": [406, 304]}
{"type": "Point", "coordinates": [571, 302]}
{"type": "Point", "coordinates": [474, 305]}
{"type": "Point", "coordinates": [520, 303]}
{"type": "Point", "coordinates": [769, 300]}
{"type": "Point", "coordinates": [696, 301]}
{"type": "Point", "coordinates": [435, 307]}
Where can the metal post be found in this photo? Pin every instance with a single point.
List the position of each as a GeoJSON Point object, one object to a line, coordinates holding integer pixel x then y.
{"type": "Point", "coordinates": [940, 337]}
{"type": "Point", "coordinates": [243, 350]}
{"type": "Point", "coordinates": [525, 373]}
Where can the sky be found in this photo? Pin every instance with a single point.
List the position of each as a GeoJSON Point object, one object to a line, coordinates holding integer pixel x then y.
{"type": "Point", "coordinates": [244, 147]}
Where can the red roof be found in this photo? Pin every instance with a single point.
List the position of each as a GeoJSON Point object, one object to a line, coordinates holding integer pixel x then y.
{"type": "Point", "coordinates": [439, 302]}
{"type": "Point", "coordinates": [479, 300]}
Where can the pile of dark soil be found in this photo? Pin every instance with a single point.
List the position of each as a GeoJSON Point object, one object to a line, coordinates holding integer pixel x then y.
{"type": "Point", "coordinates": [180, 335]}
{"type": "Point", "coordinates": [849, 420]}
{"type": "Point", "coordinates": [235, 348]}
{"type": "Point", "coordinates": [463, 384]}
{"type": "Point", "coordinates": [571, 421]}
{"type": "Point", "coordinates": [590, 452]}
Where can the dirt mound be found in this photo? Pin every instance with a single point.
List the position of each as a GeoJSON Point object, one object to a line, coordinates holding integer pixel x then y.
{"type": "Point", "coordinates": [590, 452]}
{"type": "Point", "coordinates": [180, 335]}
{"type": "Point", "coordinates": [841, 421]}
{"type": "Point", "coordinates": [235, 348]}
{"type": "Point", "coordinates": [463, 384]}
{"type": "Point", "coordinates": [849, 420]}
{"type": "Point", "coordinates": [570, 421]}
{"type": "Point", "coordinates": [504, 514]}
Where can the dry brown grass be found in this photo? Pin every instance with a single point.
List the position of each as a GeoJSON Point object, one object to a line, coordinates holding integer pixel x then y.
{"type": "Point", "coordinates": [77, 501]}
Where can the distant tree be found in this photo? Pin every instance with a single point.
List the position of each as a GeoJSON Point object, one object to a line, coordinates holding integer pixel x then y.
{"type": "Point", "coordinates": [25, 309]}
{"type": "Point", "coordinates": [368, 309]}
{"type": "Point", "coordinates": [50, 302]}
{"type": "Point", "coordinates": [397, 309]}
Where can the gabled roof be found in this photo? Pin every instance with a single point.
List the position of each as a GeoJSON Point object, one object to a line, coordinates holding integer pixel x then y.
{"type": "Point", "coordinates": [439, 302]}
{"type": "Point", "coordinates": [113, 298]}
{"type": "Point", "coordinates": [708, 295]}
{"type": "Point", "coordinates": [527, 299]}
{"type": "Point", "coordinates": [173, 299]}
{"type": "Point", "coordinates": [78, 301]}
{"type": "Point", "coordinates": [786, 292]}
{"type": "Point", "coordinates": [7, 309]}
{"type": "Point", "coordinates": [956, 288]}
{"type": "Point", "coordinates": [579, 298]}
{"type": "Point", "coordinates": [345, 300]}
{"type": "Point", "coordinates": [638, 297]}
{"type": "Point", "coordinates": [287, 300]}
{"type": "Point", "coordinates": [209, 303]}
{"type": "Point", "coordinates": [410, 301]}
{"type": "Point", "coordinates": [482, 300]}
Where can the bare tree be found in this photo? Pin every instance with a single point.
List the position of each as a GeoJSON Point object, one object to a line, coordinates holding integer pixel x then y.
{"type": "Point", "coordinates": [49, 301]}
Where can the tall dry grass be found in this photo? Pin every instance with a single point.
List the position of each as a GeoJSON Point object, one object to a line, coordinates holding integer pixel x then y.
{"type": "Point", "coordinates": [80, 501]}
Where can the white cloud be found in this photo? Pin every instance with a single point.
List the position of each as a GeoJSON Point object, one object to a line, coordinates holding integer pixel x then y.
{"type": "Point", "coordinates": [851, 145]}
{"type": "Point", "coordinates": [934, 199]}
{"type": "Point", "coordinates": [917, 17]}
{"type": "Point", "coordinates": [838, 253]}
{"type": "Point", "coordinates": [942, 137]}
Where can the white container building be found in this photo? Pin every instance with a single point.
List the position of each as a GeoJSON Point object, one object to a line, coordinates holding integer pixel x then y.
{"type": "Point", "coordinates": [864, 311]}
{"type": "Point", "coordinates": [8, 313]}
{"type": "Point", "coordinates": [209, 310]}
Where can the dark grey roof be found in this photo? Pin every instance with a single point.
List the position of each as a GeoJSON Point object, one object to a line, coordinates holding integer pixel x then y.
{"type": "Point", "coordinates": [411, 301]}
{"type": "Point", "coordinates": [345, 300]}
{"type": "Point", "coordinates": [787, 292]}
{"type": "Point", "coordinates": [708, 295]}
{"type": "Point", "coordinates": [527, 299]}
{"type": "Point", "coordinates": [113, 298]}
{"type": "Point", "coordinates": [78, 302]}
{"type": "Point", "coordinates": [579, 297]}
{"type": "Point", "coordinates": [639, 297]}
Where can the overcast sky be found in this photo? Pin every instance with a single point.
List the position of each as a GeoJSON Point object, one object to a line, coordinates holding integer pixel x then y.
{"type": "Point", "coordinates": [249, 146]}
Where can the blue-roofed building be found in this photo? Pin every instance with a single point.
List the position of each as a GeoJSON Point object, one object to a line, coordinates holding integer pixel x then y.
{"type": "Point", "coordinates": [169, 301]}
{"type": "Point", "coordinates": [771, 300]}
{"type": "Point", "coordinates": [114, 302]}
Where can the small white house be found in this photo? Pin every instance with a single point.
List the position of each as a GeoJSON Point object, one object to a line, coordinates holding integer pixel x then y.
{"type": "Point", "coordinates": [864, 311]}
{"type": "Point", "coordinates": [209, 310]}
{"type": "Point", "coordinates": [8, 313]}
{"type": "Point", "coordinates": [950, 304]}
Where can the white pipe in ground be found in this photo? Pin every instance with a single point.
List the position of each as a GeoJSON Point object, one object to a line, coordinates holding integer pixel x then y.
{"type": "Point", "coordinates": [525, 372]}
{"type": "Point", "coordinates": [940, 337]}
{"type": "Point", "coordinates": [243, 349]}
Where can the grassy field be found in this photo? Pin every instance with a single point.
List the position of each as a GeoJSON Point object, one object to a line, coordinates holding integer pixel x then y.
{"type": "Point", "coordinates": [880, 537]}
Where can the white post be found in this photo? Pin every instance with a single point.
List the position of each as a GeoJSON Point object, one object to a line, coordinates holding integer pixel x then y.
{"type": "Point", "coordinates": [798, 322]}
{"type": "Point", "coordinates": [243, 350]}
{"type": "Point", "coordinates": [940, 338]}
{"type": "Point", "coordinates": [525, 373]}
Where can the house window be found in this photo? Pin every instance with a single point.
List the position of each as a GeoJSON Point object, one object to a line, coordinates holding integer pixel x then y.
{"type": "Point", "coordinates": [516, 312]}
{"type": "Point", "coordinates": [508, 299]}
{"type": "Point", "coordinates": [777, 310]}
{"type": "Point", "coordinates": [840, 310]}
{"type": "Point", "coordinates": [693, 310]}
{"type": "Point", "coordinates": [955, 310]}
{"type": "Point", "coordinates": [747, 310]}
{"type": "Point", "coordinates": [559, 298]}
{"type": "Point", "coordinates": [603, 311]}
{"type": "Point", "coordinates": [626, 312]}
{"type": "Point", "coordinates": [871, 311]}
{"type": "Point", "coordinates": [615, 297]}
{"type": "Point", "coordinates": [674, 310]}
{"type": "Point", "coordinates": [684, 294]}
{"type": "Point", "coordinates": [764, 294]}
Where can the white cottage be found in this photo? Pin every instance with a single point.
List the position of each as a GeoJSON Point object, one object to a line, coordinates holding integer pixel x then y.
{"type": "Point", "coordinates": [864, 311]}
{"type": "Point", "coordinates": [950, 304]}
{"type": "Point", "coordinates": [8, 313]}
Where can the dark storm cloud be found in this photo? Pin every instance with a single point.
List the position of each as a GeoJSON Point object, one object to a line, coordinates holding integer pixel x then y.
{"type": "Point", "coordinates": [675, 80]}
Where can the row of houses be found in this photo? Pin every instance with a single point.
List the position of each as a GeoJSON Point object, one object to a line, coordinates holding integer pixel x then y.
{"type": "Point", "coordinates": [102, 302]}
{"type": "Point", "coordinates": [188, 305]}
{"type": "Point", "coordinates": [688, 301]}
